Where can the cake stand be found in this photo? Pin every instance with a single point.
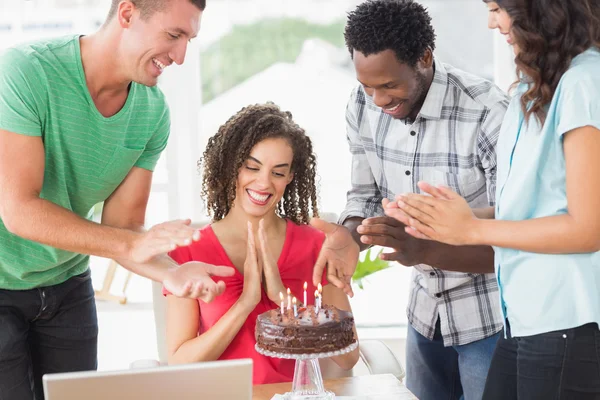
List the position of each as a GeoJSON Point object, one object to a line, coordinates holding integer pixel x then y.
{"type": "Point", "coordinates": [308, 381]}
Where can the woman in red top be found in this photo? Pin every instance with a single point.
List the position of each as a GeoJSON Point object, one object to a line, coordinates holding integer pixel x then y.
{"type": "Point", "coordinates": [259, 182]}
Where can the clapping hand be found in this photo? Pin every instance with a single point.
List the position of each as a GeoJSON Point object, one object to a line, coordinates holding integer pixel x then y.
{"type": "Point", "coordinates": [252, 292]}
{"type": "Point", "coordinates": [161, 239]}
{"type": "Point", "coordinates": [443, 216]}
{"type": "Point", "coordinates": [273, 282]}
{"type": "Point", "coordinates": [390, 232]}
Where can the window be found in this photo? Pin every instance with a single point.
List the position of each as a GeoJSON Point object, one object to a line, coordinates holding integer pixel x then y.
{"type": "Point", "coordinates": [284, 51]}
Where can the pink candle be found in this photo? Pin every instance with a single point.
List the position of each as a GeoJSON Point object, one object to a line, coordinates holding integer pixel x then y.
{"type": "Point", "coordinates": [281, 298]}
{"type": "Point", "coordinates": [305, 286]}
{"type": "Point", "coordinates": [289, 304]}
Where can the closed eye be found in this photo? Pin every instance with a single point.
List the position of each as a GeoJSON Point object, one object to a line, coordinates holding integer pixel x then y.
{"type": "Point", "coordinates": [173, 36]}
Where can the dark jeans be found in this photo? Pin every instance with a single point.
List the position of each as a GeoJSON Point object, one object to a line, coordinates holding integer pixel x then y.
{"type": "Point", "coordinates": [559, 365]}
{"type": "Point", "coordinates": [435, 372]}
{"type": "Point", "coordinates": [46, 330]}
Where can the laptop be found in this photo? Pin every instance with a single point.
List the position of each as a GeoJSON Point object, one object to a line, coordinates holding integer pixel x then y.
{"type": "Point", "coordinates": [214, 380]}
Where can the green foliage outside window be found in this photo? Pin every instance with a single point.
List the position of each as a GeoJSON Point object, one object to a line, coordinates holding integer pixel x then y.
{"type": "Point", "coordinates": [250, 49]}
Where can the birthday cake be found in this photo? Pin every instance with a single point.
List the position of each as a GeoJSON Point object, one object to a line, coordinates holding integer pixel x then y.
{"type": "Point", "coordinates": [309, 332]}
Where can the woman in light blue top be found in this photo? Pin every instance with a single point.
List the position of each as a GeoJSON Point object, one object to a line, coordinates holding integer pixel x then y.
{"type": "Point", "coordinates": [545, 227]}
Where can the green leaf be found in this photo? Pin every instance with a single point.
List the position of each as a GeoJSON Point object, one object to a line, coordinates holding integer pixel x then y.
{"type": "Point", "coordinates": [368, 266]}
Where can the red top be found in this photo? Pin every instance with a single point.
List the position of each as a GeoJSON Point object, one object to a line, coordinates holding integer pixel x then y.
{"type": "Point", "coordinates": [298, 257]}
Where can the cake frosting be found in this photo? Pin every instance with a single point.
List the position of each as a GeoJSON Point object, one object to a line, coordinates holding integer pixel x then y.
{"type": "Point", "coordinates": [310, 332]}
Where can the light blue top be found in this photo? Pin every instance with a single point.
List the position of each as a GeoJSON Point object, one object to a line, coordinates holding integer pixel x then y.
{"type": "Point", "coordinates": [544, 292]}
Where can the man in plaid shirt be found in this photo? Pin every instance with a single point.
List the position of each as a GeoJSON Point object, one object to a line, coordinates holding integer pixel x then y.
{"type": "Point", "coordinates": [414, 118]}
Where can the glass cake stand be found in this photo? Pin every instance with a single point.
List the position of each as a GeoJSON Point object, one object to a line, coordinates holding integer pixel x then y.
{"type": "Point", "coordinates": [308, 381]}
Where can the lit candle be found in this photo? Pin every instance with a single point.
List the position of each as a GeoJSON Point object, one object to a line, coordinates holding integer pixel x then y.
{"type": "Point", "coordinates": [316, 301]}
{"type": "Point", "coordinates": [305, 286]}
{"type": "Point", "coordinates": [295, 307]}
{"type": "Point", "coordinates": [281, 298]}
{"type": "Point", "coordinates": [289, 304]}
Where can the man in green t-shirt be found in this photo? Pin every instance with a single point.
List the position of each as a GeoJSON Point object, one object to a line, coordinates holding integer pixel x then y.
{"type": "Point", "coordinates": [82, 122]}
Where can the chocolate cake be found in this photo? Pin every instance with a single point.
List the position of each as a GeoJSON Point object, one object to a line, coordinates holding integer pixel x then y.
{"type": "Point", "coordinates": [308, 333]}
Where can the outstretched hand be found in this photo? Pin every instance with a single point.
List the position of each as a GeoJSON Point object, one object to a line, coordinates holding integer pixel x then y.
{"type": "Point", "coordinates": [194, 280]}
{"type": "Point", "coordinates": [339, 254]}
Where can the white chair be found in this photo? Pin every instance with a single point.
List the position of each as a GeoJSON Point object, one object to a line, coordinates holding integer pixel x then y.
{"type": "Point", "coordinates": [376, 355]}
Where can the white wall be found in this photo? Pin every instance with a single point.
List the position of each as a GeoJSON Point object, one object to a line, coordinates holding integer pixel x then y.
{"type": "Point", "coordinates": [504, 65]}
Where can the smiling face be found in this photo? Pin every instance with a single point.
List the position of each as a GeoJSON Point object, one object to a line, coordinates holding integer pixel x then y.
{"type": "Point", "coordinates": [151, 44]}
{"type": "Point", "coordinates": [499, 19]}
{"type": "Point", "coordinates": [397, 88]}
{"type": "Point", "coordinates": [263, 177]}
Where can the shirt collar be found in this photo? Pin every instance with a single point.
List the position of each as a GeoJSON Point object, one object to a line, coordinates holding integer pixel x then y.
{"type": "Point", "coordinates": [434, 102]}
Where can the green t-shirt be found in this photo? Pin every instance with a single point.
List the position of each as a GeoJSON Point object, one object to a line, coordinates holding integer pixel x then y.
{"type": "Point", "coordinates": [43, 93]}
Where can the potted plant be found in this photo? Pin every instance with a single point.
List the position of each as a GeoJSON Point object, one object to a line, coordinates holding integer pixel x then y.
{"type": "Point", "coordinates": [369, 263]}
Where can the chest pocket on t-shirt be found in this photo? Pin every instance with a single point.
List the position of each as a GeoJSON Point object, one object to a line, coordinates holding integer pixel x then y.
{"type": "Point", "coordinates": [119, 165]}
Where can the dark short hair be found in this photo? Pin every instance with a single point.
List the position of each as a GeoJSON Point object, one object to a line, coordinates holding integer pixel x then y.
{"type": "Point", "coordinates": [403, 26]}
{"type": "Point", "coordinates": [149, 7]}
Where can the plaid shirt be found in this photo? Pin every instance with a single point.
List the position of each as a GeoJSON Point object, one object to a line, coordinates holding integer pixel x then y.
{"type": "Point", "coordinates": [452, 141]}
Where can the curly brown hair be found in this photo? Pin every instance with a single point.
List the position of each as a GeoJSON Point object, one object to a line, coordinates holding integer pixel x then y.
{"type": "Point", "coordinates": [549, 34]}
{"type": "Point", "coordinates": [230, 147]}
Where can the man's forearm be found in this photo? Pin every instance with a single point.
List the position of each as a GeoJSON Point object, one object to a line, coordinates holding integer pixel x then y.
{"type": "Point", "coordinates": [473, 259]}
{"type": "Point", "coordinates": [47, 223]}
{"type": "Point", "coordinates": [155, 269]}
{"type": "Point", "coordinates": [44, 222]}
{"type": "Point", "coordinates": [351, 224]}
